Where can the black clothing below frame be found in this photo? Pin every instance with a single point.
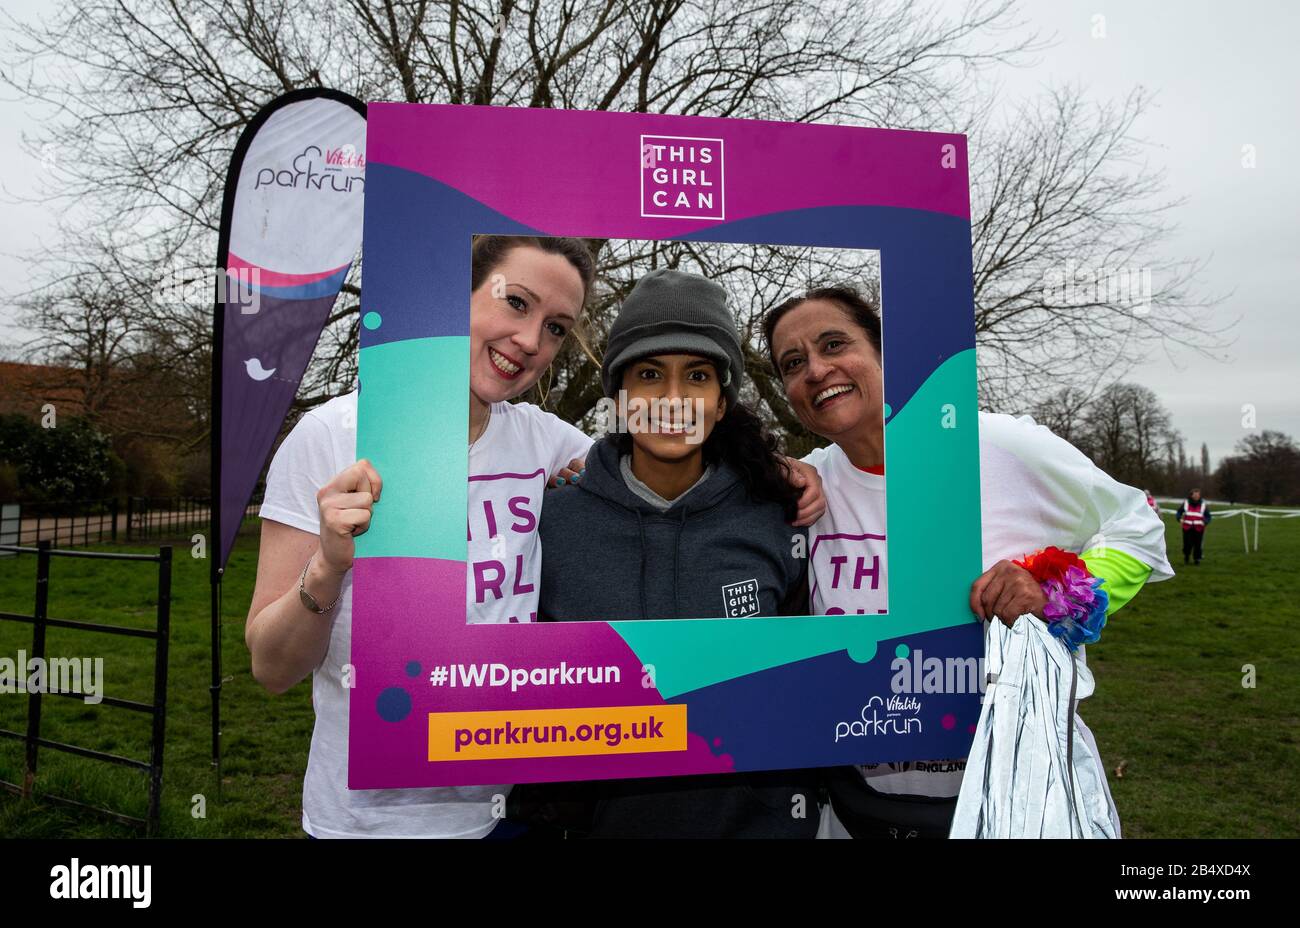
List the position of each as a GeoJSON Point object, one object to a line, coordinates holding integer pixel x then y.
{"type": "Point", "coordinates": [868, 813]}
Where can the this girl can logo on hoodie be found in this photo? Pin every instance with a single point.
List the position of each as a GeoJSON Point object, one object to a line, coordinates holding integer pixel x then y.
{"type": "Point", "coordinates": [740, 599]}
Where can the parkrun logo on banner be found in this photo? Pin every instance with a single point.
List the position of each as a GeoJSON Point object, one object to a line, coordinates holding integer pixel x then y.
{"type": "Point", "coordinates": [681, 178]}
{"type": "Point", "coordinates": [317, 169]}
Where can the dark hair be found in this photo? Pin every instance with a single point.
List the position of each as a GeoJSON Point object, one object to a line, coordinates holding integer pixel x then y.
{"type": "Point", "coordinates": [488, 251]}
{"type": "Point", "coordinates": [741, 440]}
{"type": "Point", "coordinates": [855, 307]}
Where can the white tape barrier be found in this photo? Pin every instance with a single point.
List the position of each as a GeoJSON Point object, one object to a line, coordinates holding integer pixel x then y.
{"type": "Point", "coordinates": [1257, 513]}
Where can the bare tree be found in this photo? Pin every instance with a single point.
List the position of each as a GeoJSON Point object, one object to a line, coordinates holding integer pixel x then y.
{"type": "Point", "coordinates": [146, 98]}
{"type": "Point", "coordinates": [1066, 223]}
{"type": "Point", "coordinates": [106, 318]}
{"type": "Point", "coordinates": [87, 338]}
{"type": "Point", "coordinates": [1128, 432]}
{"type": "Point", "coordinates": [756, 278]}
{"type": "Point", "coordinates": [1267, 467]}
{"type": "Point", "coordinates": [1063, 412]}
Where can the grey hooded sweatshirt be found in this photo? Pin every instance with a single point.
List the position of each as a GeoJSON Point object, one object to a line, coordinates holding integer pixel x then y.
{"type": "Point", "coordinates": [714, 552]}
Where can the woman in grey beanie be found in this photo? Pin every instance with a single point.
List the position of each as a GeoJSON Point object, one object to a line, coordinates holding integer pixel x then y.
{"type": "Point", "coordinates": [683, 515]}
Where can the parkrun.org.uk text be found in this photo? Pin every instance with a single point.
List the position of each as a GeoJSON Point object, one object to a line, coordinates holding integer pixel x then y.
{"type": "Point", "coordinates": [556, 732]}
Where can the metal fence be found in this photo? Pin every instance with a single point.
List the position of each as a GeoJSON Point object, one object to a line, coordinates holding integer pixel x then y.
{"type": "Point", "coordinates": [160, 634]}
{"type": "Point", "coordinates": [79, 522]}
{"type": "Point", "coordinates": [151, 517]}
{"type": "Point", "coordinates": [92, 522]}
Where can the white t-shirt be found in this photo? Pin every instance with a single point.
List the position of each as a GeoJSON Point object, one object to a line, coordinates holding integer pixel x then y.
{"type": "Point", "coordinates": [846, 553]}
{"type": "Point", "coordinates": [1036, 490]}
{"type": "Point", "coordinates": [509, 465]}
{"type": "Point", "coordinates": [320, 445]}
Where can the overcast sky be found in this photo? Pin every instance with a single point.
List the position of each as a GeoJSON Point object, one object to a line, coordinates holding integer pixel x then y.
{"type": "Point", "coordinates": [1225, 75]}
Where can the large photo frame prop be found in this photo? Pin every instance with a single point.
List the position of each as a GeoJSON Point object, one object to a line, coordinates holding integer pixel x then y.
{"type": "Point", "coordinates": [722, 695]}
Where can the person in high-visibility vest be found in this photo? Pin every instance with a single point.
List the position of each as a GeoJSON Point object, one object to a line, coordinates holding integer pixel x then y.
{"type": "Point", "coordinates": [1193, 516]}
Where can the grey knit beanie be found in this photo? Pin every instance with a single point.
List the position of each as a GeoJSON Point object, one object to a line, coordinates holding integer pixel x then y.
{"type": "Point", "coordinates": [673, 312]}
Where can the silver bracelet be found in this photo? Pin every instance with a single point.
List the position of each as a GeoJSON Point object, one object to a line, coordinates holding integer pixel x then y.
{"type": "Point", "coordinates": [308, 600]}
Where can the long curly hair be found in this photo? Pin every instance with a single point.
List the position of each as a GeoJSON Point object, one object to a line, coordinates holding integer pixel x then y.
{"type": "Point", "coordinates": [741, 440]}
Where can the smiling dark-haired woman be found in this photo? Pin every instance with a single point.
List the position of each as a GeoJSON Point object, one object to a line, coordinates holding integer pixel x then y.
{"type": "Point", "coordinates": [1036, 490]}
{"type": "Point", "coordinates": [685, 519]}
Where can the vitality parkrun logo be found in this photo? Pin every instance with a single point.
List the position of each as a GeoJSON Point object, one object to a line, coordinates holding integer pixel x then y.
{"type": "Point", "coordinates": [899, 714]}
{"type": "Point", "coordinates": [895, 716]}
{"type": "Point", "coordinates": [682, 178]}
{"type": "Point", "coordinates": [339, 170]}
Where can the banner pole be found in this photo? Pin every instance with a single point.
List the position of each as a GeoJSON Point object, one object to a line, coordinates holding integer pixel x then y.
{"type": "Point", "coordinates": [215, 686]}
{"type": "Point", "coordinates": [217, 549]}
{"type": "Point", "coordinates": [214, 539]}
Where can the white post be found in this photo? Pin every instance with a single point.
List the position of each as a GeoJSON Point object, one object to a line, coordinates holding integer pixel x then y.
{"type": "Point", "coordinates": [1256, 529]}
{"type": "Point", "coordinates": [1244, 540]}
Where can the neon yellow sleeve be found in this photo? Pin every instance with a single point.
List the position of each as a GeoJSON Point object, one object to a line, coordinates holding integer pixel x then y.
{"type": "Point", "coordinates": [1124, 574]}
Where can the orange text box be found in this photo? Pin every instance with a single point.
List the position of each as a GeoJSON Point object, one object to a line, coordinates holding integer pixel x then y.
{"type": "Point", "coordinates": [509, 734]}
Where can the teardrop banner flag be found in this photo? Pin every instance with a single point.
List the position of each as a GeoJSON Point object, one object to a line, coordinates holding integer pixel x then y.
{"type": "Point", "coordinates": [291, 226]}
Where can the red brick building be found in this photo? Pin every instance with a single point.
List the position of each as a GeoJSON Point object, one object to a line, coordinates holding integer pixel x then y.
{"type": "Point", "coordinates": [26, 388]}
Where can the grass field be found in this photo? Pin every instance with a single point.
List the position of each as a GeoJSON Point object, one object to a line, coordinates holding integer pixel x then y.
{"type": "Point", "coordinates": [265, 738]}
{"type": "Point", "coordinates": [1205, 756]}
{"type": "Point", "coordinates": [1202, 756]}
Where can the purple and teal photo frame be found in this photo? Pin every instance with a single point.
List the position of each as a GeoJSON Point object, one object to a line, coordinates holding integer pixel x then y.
{"type": "Point", "coordinates": [733, 694]}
